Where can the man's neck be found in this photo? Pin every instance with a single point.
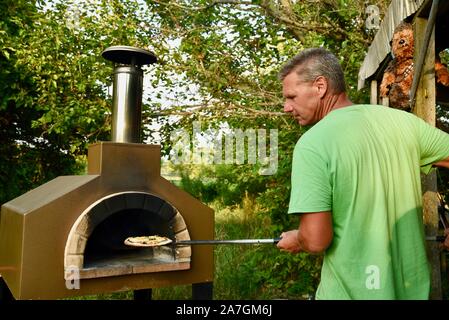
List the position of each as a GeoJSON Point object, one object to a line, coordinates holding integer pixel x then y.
{"type": "Point", "coordinates": [333, 102]}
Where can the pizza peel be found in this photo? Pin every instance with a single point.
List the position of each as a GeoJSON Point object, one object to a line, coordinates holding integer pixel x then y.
{"type": "Point", "coordinates": [170, 242]}
{"type": "Point", "coordinates": [236, 241]}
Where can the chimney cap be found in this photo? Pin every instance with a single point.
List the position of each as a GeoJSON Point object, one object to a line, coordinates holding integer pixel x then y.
{"type": "Point", "coordinates": [129, 55]}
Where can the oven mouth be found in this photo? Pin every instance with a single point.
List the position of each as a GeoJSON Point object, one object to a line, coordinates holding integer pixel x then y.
{"type": "Point", "coordinates": [95, 246]}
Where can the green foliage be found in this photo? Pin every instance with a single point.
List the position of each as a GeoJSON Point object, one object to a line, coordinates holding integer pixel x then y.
{"type": "Point", "coordinates": [219, 183]}
{"type": "Point", "coordinates": [53, 84]}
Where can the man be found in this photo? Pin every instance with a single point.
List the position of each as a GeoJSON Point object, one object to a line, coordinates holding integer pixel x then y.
{"type": "Point", "coordinates": [356, 185]}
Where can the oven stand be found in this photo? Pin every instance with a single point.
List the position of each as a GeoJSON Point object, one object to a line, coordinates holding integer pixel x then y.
{"type": "Point", "coordinates": [200, 291]}
{"type": "Point", "coordinates": [5, 294]}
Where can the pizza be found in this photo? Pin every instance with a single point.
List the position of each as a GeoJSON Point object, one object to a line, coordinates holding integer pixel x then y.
{"type": "Point", "coordinates": [147, 241]}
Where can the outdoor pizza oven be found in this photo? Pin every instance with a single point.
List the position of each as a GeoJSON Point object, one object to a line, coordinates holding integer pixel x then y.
{"type": "Point", "coordinates": [66, 237]}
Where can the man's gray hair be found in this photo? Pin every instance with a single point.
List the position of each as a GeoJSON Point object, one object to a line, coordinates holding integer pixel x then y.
{"type": "Point", "coordinates": [314, 62]}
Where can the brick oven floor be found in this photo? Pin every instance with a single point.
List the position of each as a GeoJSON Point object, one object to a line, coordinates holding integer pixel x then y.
{"type": "Point", "coordinates": [133, 262]}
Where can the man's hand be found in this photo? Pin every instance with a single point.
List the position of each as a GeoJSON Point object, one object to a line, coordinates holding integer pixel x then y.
{"type": "Point", "coordinates": [314, 234]}
{"type": "Point", "coordinates": [289, 242]}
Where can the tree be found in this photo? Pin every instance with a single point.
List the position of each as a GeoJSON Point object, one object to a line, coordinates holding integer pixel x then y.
{"type": "Point", "coordinates": [53, 84]}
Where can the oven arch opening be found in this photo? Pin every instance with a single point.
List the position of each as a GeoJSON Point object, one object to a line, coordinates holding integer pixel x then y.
{"type": "Point", "coordinates": [95, 243]}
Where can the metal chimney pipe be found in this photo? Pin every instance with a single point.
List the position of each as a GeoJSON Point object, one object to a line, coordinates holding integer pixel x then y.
{"type": "Point", "coordinates": [127, 90]}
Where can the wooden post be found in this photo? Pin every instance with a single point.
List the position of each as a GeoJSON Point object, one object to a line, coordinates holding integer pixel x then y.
{"type": "Point", "coordinates": [373, 95]}
{"type": "Point", "coordinates": [425, 109]}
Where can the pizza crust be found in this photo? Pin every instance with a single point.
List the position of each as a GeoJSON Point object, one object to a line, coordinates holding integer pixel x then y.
{"type": "Point", "coordinates": [147, 241]}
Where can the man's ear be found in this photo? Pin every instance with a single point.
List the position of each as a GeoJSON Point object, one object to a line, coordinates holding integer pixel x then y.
{"type": "Point", "coordinates": [321, 84]}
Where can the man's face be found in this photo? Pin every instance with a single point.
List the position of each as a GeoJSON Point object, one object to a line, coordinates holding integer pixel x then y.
{"type": "Point", "coordinates": [301, 99]}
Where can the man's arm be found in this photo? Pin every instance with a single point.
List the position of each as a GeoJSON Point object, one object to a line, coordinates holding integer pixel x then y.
{"type": "Point", "coordinates": [443, 163]}
{"type": "Point", "coordinates": [314, 234]}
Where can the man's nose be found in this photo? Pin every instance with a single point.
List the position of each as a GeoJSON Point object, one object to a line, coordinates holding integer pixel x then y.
{"type": "Point", "coordinates": [287, 107]}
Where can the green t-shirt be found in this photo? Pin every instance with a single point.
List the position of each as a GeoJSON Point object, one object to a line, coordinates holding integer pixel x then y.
{"type": "Point", "coordinates": [363, 164]}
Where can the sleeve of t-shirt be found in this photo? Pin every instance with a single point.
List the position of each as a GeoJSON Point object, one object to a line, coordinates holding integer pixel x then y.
{"type": "Point", "coordinates": [434, 145]}
{"type": "Point", "coordinates": [311, 189]}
